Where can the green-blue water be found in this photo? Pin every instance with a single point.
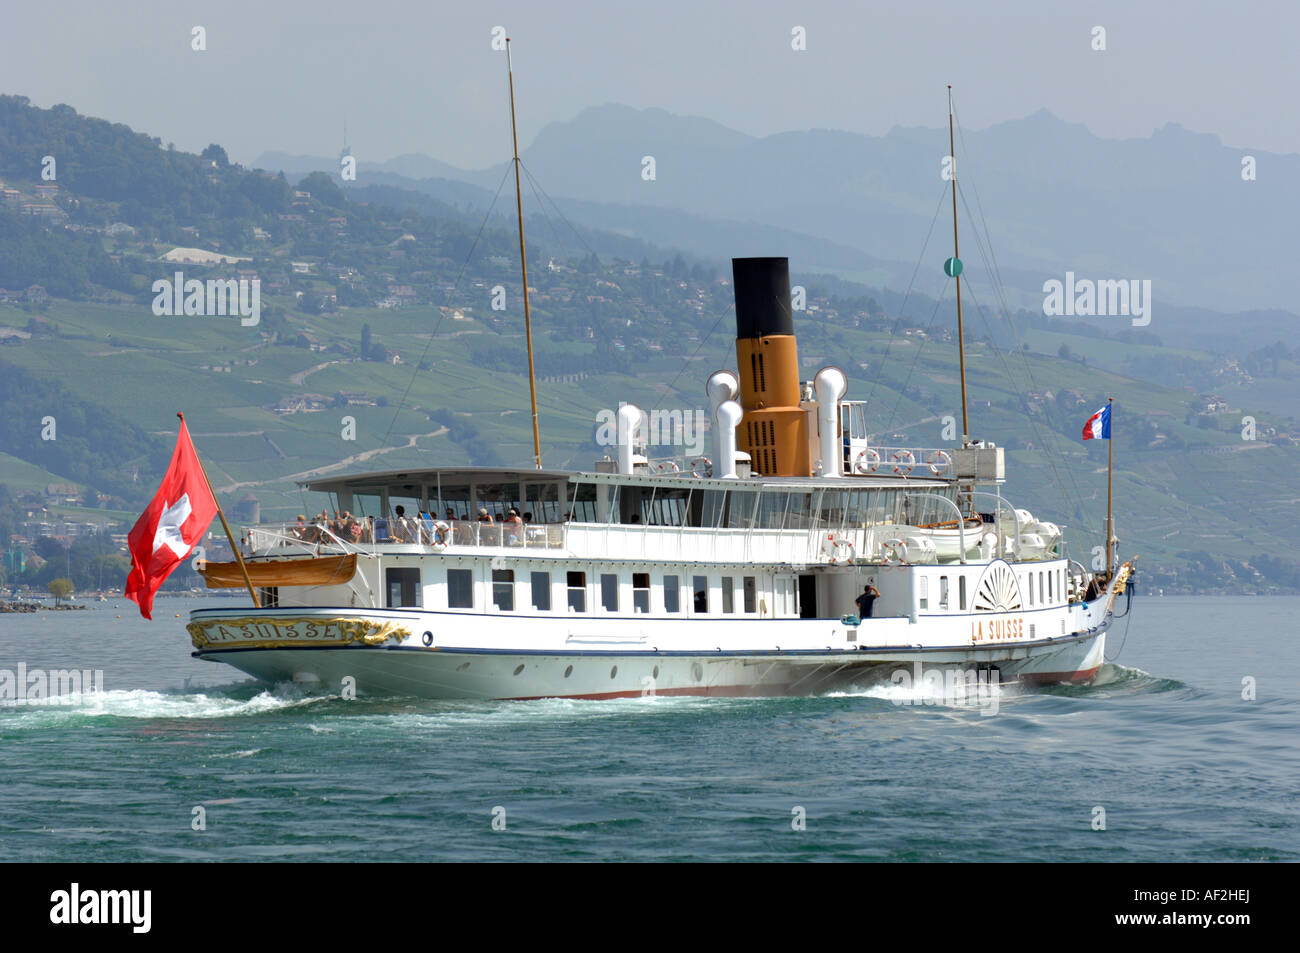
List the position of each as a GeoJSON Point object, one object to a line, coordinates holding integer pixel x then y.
{"type": "Point", "coordinates": [1183, 766]}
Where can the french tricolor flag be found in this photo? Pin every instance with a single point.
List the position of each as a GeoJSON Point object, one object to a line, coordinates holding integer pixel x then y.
{"type": "Point", "coordinates": [1098, 425]}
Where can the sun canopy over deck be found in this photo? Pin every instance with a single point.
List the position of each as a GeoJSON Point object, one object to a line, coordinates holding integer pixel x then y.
{"type": "Point", "coordinates": [647, 497]}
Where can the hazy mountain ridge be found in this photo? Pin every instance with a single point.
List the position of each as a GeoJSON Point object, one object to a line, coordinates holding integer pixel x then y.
{"type": "Point", "coordinates": [1171, 207]}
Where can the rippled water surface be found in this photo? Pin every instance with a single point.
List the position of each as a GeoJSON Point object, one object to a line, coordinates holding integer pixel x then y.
{"type": "Point", "coordinates": [1182, 765]}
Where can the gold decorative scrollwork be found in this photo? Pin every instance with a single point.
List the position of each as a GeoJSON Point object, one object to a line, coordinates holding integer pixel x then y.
{"type": "Point", "coordinates": [315, 630]}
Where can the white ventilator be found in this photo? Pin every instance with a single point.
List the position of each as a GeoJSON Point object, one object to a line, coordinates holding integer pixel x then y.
{"type": "Point", "coordinates": [831, 385]}
{"type": "Point", "coordinates": [721, 386]}
{"type": "Point", "coordinates": [629, 416]}
{"type": "Point", "coordinates": [729, 414]}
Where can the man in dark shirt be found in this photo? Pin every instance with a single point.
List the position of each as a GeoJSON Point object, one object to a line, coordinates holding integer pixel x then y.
{"type": "Point", "coordinates": [868, 598]}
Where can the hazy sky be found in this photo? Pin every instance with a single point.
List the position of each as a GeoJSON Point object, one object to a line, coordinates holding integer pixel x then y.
{"type": "Point", "coordinates": [421, 77]}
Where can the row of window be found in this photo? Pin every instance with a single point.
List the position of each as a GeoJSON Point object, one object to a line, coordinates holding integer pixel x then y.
{"type": "Point", "coordinates": [533, 589]}
{"type": "Point", "coordinates": [1050, 589]}
{"type": "Point", "coordinates": [924, 592]}
{"type": "Point", "coordinates": [1051, 585]}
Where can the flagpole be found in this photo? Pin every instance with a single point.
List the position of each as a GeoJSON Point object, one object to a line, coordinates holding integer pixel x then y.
{"type": "Point", "coordinates": [239, 557]}
{"type": "Point", "coordinates": [1110, 470]}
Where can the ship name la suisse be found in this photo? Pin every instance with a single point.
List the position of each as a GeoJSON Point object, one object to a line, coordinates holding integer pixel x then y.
{"type": "Point", "coordinates": [997, 629]}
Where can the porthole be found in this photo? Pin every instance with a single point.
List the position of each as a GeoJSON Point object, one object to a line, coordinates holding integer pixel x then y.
{"type": "Point", "coordinates": [427, 638]}
{"type": "Point", "coordinates": [655, 674]}
{"type": "Point", "coordinates": [697, 671]}
{"type": "Point", "coordinates": [519, 668]}
{"type": "Point", "coordinates": [568, 671]}
{"type": "Point", "coordinates": [462, 666]}
{"type": "Point", "coordinates": [613, 671]}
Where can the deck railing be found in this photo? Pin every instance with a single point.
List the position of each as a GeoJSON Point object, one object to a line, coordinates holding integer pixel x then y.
{"type": "Point", "coordinates": [433, 535]}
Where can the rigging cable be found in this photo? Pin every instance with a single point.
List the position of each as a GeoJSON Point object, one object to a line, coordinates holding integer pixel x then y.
{"type": "Point", "coordinates": [999, 288]}
{"type": "Point", "coordinates": [703, 341]}
{"type": "Point", "coordinates": [902, 308]}
{"type": "Point", "coordinates": [917, 356]}
{"type": "Point", "coordinates": [442, 314]}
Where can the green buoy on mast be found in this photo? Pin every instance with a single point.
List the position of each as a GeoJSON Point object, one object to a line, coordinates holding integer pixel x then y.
{"type": "Point", "coordinates": [952, 267]}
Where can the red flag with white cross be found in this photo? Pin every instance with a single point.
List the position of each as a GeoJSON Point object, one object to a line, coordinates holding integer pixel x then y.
{"type": "Point", "coordinates": [171, 526]}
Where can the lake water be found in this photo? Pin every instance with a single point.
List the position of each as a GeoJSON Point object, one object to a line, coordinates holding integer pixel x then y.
{"type": "Point", "coordinates": [1183, 766]}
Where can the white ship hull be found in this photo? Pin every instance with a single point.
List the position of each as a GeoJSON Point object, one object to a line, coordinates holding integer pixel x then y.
{"type": "Point", "coordinates": [461, 663]}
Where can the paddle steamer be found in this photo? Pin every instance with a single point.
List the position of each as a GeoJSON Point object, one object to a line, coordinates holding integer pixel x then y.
{"type": "Point", "coordinates": [731, 575]}
{"type": "Point", "coordinates": [734, 574]}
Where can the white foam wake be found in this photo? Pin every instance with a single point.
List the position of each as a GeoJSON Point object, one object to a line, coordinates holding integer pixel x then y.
{"type": "Point", "coordinates": [143, 703]}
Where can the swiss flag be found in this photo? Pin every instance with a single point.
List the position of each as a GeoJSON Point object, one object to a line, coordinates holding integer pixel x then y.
{"type": "Point", "coordinates": [169, 528]}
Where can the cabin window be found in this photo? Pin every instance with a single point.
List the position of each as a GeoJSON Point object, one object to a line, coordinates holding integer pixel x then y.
{"type": "Point", "coordinates": [503, 589]}
{"type": "Point", "coordinates": [403, 586]}
{"type": "Point", "coordinates": [541, 584]}
{"type": "Point", "coordinates": [542, 500]}
{"type": "Point", "coordinates": [943, 592]}
{"type": "Point", "coordinates": [577, 591]}
{"type": "Point", "coordinates": [1040, 587]}
{"type": "Point", "coordinates": [859, 428]}
{"type": "Point", "coordinates": [269, 597]}
{"type": "Point", "coordinates": [924, 592]}
{"type": "Point", "coordinates": [750, 584]}
{"type": "Point", "coordinates": [798, 514]}
{"type": "Point", "coordinates": [460, 589]}
{"type": "Point", "coordinates": [740, 509]}
{"type": "Point", "coordinates": [609, 591]}
{"type": "Point", "coordinates": [712, 508]}
{"type": "Point", "coordinates": [582, 506]}
{"type": "Point", "coordinates": [771, 509]}
{"type": "Point", "coordinates": [672, 594]}
{"type": "Point", "coordinates": [1029, 580]}
{"type": "Point", "coordinates": [456, 498]}
{"type": "Point", "coordinates": [728, 594]}
{"type": "Point", "coordinates": [961, 593]}
{"type": "Point", "coordinates": [787, 603]}
{"type": "Point", "coordinates": [640, 592]}
{"type": "Point", "coordinates": [669, 507]}
{"type": "Point", "coordinates": [701, 587]}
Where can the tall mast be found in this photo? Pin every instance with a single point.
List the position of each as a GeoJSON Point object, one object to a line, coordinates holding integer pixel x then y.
{"type": "Point", "coordinates": [956, 254]}
{"type": "Point", "coordinates": [523, 264]}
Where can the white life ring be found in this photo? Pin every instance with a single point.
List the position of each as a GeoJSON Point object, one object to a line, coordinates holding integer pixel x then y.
{"type": "Point", "coordinates": [443, 531]}
{"type": "Point", "coordinates": [904, 461]}
{"type": "Point", "coordinates": [894, 552]}
{"type": "Point", "coordinates": [837, 548]}
{"type": "Point", "coordinates": [866, 461]}
{"type": "Point", "coordinates": [701, 467]}
{"type": "Point", "coordinates": [668, 466]}
{"type": "Point", "coordinates": [938, 462]}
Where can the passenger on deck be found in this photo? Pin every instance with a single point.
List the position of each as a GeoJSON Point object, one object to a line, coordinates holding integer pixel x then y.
{"type": "Point", "coordinates": [484, 516]}
{"type": "Point", "coordinates": [514, 527]}
{"type": "Point", "coordinates": [401, 530]}
{"type": "Point", "coordinates": [867, 600]}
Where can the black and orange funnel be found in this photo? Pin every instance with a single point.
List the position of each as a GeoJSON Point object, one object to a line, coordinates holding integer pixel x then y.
{"type": "Point", "coordinates": [774, 430]}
